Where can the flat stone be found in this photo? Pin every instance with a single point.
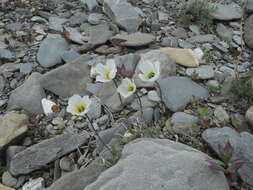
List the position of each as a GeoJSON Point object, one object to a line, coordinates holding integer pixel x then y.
{"type": "Point", "coordinates": [91, 4]}
{"type": "Point", "coordinates": [183, 118]}
{"type": "Point", "coordinates": [16, 26]}
{"type": "Point", "coordinates": [51, 49]}
{"type": "Point", "coordinates": [182, 57]}
{"type": "Point", "coordinates": [129, 61]}
{"type": "Point", "coordinates": [223, 32]}
{"type": "Point", "coordinates": [221, 114]}
{"type": "Point", "coordinates": [6, 55]}
{"type": "Point", "coordinates": [167, 66]}
{"type": "Point", "coordinates": [95, 18]}
{"type": "Point", "coordinates": [227, 12]}
{"type": "Point", "coordinates": [142, 167]}
{"type": "Point", "coordinates": [99, 34]}
{"type": "Point", "coordinates": [95, 109]}
{"type": "Point", "coordinates": [134, 40]}
{"type": "Point", "coordinates": [56, 23]}
{"type": "Point", "coordinates": [8, 179]}
{"type": "Point", "coordinates": [248, 36]}
{"type": "Point", "coordinates": [178, 91]}
{"type": "Point", "coordinates": [9, 67]}
{"type": "Point", "coordinates": [11, 127]}
{"type": "Point", "coordinates": [26, 68]}
{"type": "Point", "coordinates": [79, 179]}
{"type": "Point", "coordinates": [123, 14]}
{"type": "Point", "coordinates": [205, 38]}
{"type": "Point", "coordinates": [241, 143]}
{"type": "Point", "coordinates": [75, 36]}
{"type": "Point", "coordinates": [70, 55]}
{"type": "Point", "coordinates": [202, 72]}
{"type": "Point", "coordinates": [249, 6]}
{"type": "Point", "coordinates": [39, 155]}
{"type": "Point", "coordinates": [78, 73]}
{"type": "Point", "coordinates": [34, 184]}
{"type": "Point", "coordinates": [28, 96]}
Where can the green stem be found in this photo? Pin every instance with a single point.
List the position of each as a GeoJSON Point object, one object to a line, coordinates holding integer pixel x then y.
{"type": "Point", "coordinates": [160, 94]}
{"type": "Point", "coordinates": [141, 107]}
{"type": "Point", "coordinates": [95, 131]}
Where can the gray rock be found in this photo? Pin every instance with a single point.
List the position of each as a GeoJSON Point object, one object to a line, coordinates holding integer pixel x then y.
{"type": "Point", "coordinates": [145, 102]}
{"type": "Point", "coordinates": [99, 34]}
{"type": "Point", "coordinates": [206, 38]}
{"type": "Point", "coordinates": [78, 73]}
{"type": "Point", "coordinates": [79, 179]}
{"type": "Point", "coordinates": [227, 12]}
{"type": "Point", "coordinates": [67, 164]}
{"type": "Point", "coordinates": [9, 67]}
{"type": "Point", "coordinates": [148, 115]}
{"type": "Point", "coordinates": [169, 42]}
{"type": "Point", "coordinates": [28, 96]}
{"type": "Point", "coordinates": [241, 144]}
{"type": "Point", "coordinates": [129, 61]}
{"type": "Point", "coordinates": [56, 23]}
{"type": "Point", "coordinates": [237, 39]}
{"type": "Point", "coordinates": [95, 18]}
{"type": "Point", "coordinates": [134, 40]}
{"type": "Point", "coordinates": [177, 92]}
{"type": "Point", "coordinates": [34, 184]}
{"type": "Point", "coordinates": [26, 68]}
{"type": "Point", "coordinates": [2, 83]}
{"type": "Point", "coordinates": [70, 55]}
{"type": "Point", "coordinates": [223, 32]}
{"type": "Point", "coordinates": [51, 49]}
{"type": "Point", "coordinates": [91, 4]}
{"type": "Point", "coordinates": [14, 26]}
{"type": "Point", "coordinates": [77, 19]}
{"type": "Point", "coordinates": [95, 109]}
{"type": "Point", "coordinates": [75, 36]}
{"type": "Point", "coordinates": [185, 44]}
{"type": "Point", "coordinates": [123, 14]}
{"type": "Point", "coordinates": [249, 6]}
{"type": "Point", "coordinates": [248, 36]}
{"type": "Point", "coordinates": [195, 29]}
{"type": "Point", "coordinates": [6, 55]}
{"type": "Point", "coordinates": [142, 167]}
{"type": "Point", "coordinates": [8, 180]}
{"type": "Point", "coordinates": [37, 156]}
{"type": "Point", "coordinates": [11, 127]}
{"type": "Point", "coordinates": [183, 118]}
{"type": "Point", "coordinates": [202, 72]}
{"type": "Point", "coordinates": [11, 151]}
{"type": "Point", "coordinates": [221, 114]}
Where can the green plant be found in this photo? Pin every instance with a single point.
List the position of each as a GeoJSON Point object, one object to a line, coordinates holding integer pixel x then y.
{"type": "Point", "coordinates": [243, 90]}
{"type": "Point", "coordinates": [209, 55]}
{"type": "Point", "coordinates": [116, 155]}
{"type": "Point", "coordinates": [199, 12]}
{"type": "Point", "coordinates": [229, 164]}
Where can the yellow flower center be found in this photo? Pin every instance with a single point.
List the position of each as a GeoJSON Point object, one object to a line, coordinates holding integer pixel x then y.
{"type": "Point", "coordinates": [107, 75]}
{"type": "Point", "coordinates": [80, 108]}
{"type": "Point", "coordinates": [150, 74]}
{"type": "Point", "coordinates": [130, 88]}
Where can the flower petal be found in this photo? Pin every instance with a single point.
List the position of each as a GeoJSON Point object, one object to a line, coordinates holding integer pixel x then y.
{"type": "Point", "coordinates": [142, 77]}
{"type": "Point", "coordinates": [47, 106]}
{"type": "Point", "coordinates": [100, 68]}
{"type": "Point", "coordinates": [100, 78]}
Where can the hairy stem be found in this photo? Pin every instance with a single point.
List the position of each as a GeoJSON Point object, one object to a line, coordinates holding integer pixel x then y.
{"type": "Point", "coordinates": [161, 96]}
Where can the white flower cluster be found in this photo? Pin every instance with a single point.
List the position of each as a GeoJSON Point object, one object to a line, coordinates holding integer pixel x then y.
{"type": "Point", "coordinates": [77, 105]}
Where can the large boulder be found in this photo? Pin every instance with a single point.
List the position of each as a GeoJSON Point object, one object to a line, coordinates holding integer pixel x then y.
{"type": "Point", "coordinates": [153, 164]}
{"type": "Point", "coordinates": [248, 35]}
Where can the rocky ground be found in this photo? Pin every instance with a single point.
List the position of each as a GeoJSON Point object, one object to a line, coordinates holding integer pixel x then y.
{"type": "Point", "coordinates": [190, 130]}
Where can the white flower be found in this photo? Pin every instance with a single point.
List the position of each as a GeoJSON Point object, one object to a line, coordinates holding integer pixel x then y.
{"type": "Point", "coordinates": [47, 106]}
{"type": "Point", "coordinates": [198, 54]}
{"type": "Point", "coordinates": [78, 105]}
{"type": "Point", "coordinates": [107, 72]}
{"type": "Point", "coordinates": [150, 71]}
{"type": "Point", "coordinates": [126, 88]}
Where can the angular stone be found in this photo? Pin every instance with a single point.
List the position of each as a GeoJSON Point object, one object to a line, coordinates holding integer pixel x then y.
{"type": "Point", "coordinates": [177, 92]}
{"type": "Point", "coordinates": [6, 54]}
{"type": "Point", "coordinates": [99, 34]}
{"type": "Point", "coordinates": [224, 33]}
{"type": "Point", "coordinates": [39, 155]}
{"type": "Point", "coordinates": [69, 56]}
{"type": "Point", "coordinates": [226, 12]}
{"type": "Point", "coordinates": [123, 14]}
{"type": "Point", "coordinates": [134, 40]}
{"type": "Point", "coordinates": [205, 38]}
{"type": "Point", "coordinates": [202, 72]}
{"type": "Point", "coordinates": [28, 96]}
{"type": "Point", "coordinates": [56, 23]}
{"type": "Point", "coordinates": [248, 35]}
{"type": "Point", "coordinates": [143, 167]}
{"type": "Point", "coordinates": [182, 56]}
{"type": "Point", "coordinates": [129, 61]}
{"type": "Point", "coordinates": [11, 127]}
{"type": "Point", "coordinates": [183, 118]}
{"type": "Point", "coordinates": [51, 49]}
{"type": "Point", "coordinates": [75, 36]}
{"type": "Point", "coordinates": [91, 4]}
{"type": "Point", "coordinates": [241, 143]}
{"type": "Point", "coordinates": [78, 73]}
